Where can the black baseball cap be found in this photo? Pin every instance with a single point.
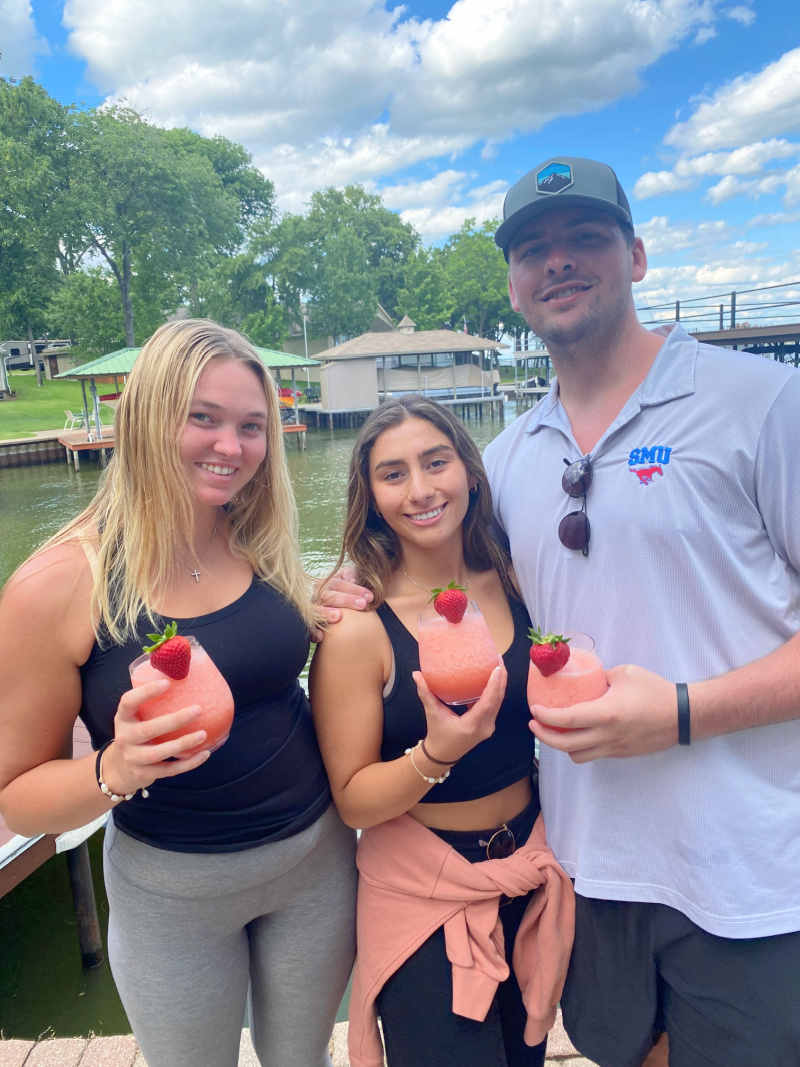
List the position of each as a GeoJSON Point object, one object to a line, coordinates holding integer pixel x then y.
{"type": "Point", "coordinates": [563, 181]}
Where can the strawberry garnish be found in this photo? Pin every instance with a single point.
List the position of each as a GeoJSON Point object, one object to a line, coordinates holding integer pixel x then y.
{"type": "Point", "coordinates": [549, 652]}
{"type": "Point", "coordinates": [169, 653]}
{"type": "Point", "coordinates": [450, 602]}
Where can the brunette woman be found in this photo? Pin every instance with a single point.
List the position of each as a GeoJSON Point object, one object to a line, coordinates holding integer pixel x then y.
{"type": "Point", "coordinates": [437, 793]}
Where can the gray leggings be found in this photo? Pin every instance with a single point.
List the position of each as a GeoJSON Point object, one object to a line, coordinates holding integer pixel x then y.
{"type": "Point", "coordinates": [189, 932]}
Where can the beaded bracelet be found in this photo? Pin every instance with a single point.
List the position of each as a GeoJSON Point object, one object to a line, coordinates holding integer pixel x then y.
{"type": "Point", "coordinates": [115, 798]}
{"type": "Point", "coordinates": [431, 781]}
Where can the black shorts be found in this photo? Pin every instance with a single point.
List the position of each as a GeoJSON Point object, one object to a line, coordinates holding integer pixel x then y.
{"type": "Point", "coordinates": [640, 969]}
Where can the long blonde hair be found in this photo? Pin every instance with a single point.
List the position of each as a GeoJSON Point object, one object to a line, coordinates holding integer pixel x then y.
{"type": "Point", "coordinates": [142, 512]}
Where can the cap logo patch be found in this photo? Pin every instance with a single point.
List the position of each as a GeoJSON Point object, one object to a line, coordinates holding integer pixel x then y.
{"type": "Point", "coordinates": [554, 178]}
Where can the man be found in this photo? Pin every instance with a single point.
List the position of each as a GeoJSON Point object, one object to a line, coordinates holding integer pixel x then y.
{"type": "Point", "coordinates": [675, 808]}
{"type": "Point", "coordinates": [681, 554]}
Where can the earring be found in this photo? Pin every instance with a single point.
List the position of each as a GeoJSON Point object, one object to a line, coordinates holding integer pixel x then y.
{"type": "Point", "coordinates": [473, 488]}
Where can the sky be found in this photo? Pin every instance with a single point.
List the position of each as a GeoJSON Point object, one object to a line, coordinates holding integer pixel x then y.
{"type": "Point", "coordinates": [440, 107]}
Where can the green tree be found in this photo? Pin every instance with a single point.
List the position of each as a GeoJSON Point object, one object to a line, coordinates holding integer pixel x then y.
{"type": "Point", "coordinates": [137, 187]}
{"type": "Point", "coordinates": [32, 127]}
{"type": "Point", "coordinates": [87, 309]}
{"type": "Point", "coordinates": [345, 230]}
{"type": "Point", "coordinates": [254, 194]}
{"type": "Point", "coordinates": [387, 240]}
{"type": "Point", "coordinates": [343, 296]}
{"type": "Point", "coordinates": [235, 291]}
{"type": "Point", "coordinates": [425, 297]}
{"type": "Point", "coordinates": [477, 281]}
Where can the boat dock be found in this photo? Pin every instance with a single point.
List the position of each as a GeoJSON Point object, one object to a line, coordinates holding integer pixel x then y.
{"type": "Point", "coordinates": [57, 446]}
{"type": "Point", "coordinates": [339, 418]}
{"type": "Point", "coordinates": [20, 856]}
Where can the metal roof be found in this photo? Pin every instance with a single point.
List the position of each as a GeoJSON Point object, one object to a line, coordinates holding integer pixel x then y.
{"type": "Point", "coordinates": [421, 342]}
{"type": "Point", "coordinates": [122, 361]}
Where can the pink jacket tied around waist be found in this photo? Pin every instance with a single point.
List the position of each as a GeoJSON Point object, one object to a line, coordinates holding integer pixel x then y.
{"type": "Point", "coordinates": [412, 882]}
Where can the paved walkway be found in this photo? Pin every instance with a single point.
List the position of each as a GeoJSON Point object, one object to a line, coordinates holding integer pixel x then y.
{"type": "Point", "coordinates": [123, 1052]}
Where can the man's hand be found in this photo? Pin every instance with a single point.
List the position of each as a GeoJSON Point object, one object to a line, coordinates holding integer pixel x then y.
{"type": "Point", "coordinates": [636, 716]}
{"type": "Point", "coordinates": [341, 592]}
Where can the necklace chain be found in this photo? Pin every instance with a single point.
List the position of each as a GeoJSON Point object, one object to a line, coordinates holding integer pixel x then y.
{"type": "Point", "coordinates": [422, 587]}
{"type": "Point", "coordinates": [196, 573]}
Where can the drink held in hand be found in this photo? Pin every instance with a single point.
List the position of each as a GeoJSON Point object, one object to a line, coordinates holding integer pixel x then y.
{"type": "Point", "coordinates": [456, 658]}
{"type": "Point", "coordinates": [564, 670]}
{"type": "Point", "coordinates": [194, 679]}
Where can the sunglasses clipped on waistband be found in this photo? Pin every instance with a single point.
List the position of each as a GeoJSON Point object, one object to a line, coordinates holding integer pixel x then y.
{"type": "Point", "coordinates": [500, 846]}
{"type": "Point", "coordinates": [574, 530]}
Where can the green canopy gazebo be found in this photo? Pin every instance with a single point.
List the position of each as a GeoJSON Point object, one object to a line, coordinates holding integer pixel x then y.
{"type": "Point", "coordinates": [119, 364]}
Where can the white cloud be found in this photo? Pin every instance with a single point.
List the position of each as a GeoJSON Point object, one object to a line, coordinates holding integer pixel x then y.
{"type": "Point", "coordinates": [747, 109]}
{"type": "Point", "coordinates": [775, 218]}
{"type": "Point", "coordinates": [660, 183]}
{"type": "Point", "coordinates": [721, 261]}
{"type": "Point", "coordinates": [297, 171]}
{"type": "Point", "coordinates": [735, 269]}
{"type": "Point", "coordinates": [792, 196]}
{"type": "Point", "coordinates": [19, 42]}
{"type": "Point", "coordinates": [735, 135]}
{"type": "Point", "coordinates": [731, 187]}
{"type": "Point", "coordinates": [743, 15]}
{"type": "Point", "coordinates": [662, 237]}
{"type": "Point", "coordinates": [438, 206]}
{"type": "Point", "coordinates": [706, 33]}
{"type": "Point", "coordinates": [323, 93]}
{"type": "Point", "coordinates": [687, 172]}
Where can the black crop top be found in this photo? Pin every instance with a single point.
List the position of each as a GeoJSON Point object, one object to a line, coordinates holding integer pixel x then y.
{"type": "Point", "coordinates": [495, 763]}
{"type": "Point", "coordinates": [267, 782]}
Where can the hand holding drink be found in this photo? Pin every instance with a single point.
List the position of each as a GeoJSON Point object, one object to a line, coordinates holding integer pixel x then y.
{"type": "Point", "coordinates": [456, 652]}
{"type": "Point", "coordinates": [564, 670]}
{"type": "Point", "coordinates": [194, 680]}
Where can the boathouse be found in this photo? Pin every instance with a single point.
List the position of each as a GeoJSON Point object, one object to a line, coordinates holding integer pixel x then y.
{"type": "Point", "coordinates": [446, 365]}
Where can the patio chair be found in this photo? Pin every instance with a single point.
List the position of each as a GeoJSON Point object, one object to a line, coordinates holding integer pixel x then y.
{"type": "Point", "coordinates": [72, 420]}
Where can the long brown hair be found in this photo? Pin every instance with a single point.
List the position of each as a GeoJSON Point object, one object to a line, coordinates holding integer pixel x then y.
{"type": "Point", "coordinates": [370, 543]}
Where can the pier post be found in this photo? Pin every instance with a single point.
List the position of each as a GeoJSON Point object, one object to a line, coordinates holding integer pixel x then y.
{"type": "Point", "coordinates": [80, 881]}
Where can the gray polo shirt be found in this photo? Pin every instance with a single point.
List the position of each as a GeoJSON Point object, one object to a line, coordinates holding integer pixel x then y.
{"type": "Point", "coordinates": [693, 569]}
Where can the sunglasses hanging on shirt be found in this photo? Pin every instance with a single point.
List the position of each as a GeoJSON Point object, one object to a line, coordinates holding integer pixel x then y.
{"type": "Point", "coordinates": [574, 530]}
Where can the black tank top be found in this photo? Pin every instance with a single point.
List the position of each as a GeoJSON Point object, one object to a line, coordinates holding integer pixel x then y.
{"type": "Point", "coordinates": [495, 763]}
{"type": "Point", "coordinates": [267, 782]}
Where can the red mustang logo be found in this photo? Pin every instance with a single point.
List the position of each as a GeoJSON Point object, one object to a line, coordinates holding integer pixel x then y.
{"type": "Point", "coordinates": [646, 474]}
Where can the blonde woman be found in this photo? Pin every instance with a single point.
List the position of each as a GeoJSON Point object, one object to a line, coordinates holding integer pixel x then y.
{"type": "Point", "coordinates": [234, 871]}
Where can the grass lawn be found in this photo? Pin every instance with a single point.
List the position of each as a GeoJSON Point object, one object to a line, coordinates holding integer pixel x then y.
{"type": "Point", "coordinates": [41, 409]}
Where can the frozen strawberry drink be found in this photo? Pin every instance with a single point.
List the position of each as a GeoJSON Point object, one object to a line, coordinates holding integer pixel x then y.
{"type": "Point", "coordinates": [456, 658]}
{"type": "Point", "coordinates": [580, 678]}
{"type": "Point", "coordinates": [203, 685]}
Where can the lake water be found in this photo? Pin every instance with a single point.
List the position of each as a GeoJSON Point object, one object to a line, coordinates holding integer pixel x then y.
{"type": "Point", "coordinates": [42, 986]}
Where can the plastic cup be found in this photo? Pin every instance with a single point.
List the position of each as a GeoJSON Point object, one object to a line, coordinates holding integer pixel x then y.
{"type": "Point", "coordinates": [203, 686]}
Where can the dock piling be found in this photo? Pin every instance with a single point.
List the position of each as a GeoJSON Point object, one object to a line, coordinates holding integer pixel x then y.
{"type": "Point", "coordinates": [83, 899]}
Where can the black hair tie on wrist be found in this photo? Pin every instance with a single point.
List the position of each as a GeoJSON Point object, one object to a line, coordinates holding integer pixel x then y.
{"type": "Point", "coordinates": [684, 714]}
{"type": "Point", "coordinates": [100, 752]}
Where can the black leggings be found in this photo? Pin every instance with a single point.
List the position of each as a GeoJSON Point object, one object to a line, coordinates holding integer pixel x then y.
{"type": "Point", "coordinates": [415, 1005]}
